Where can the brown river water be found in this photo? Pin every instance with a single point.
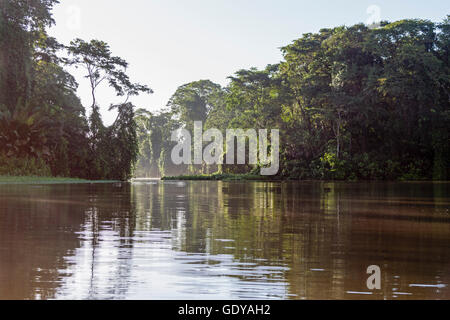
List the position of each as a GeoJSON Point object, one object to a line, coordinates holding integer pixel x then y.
{"type": "Point", "coordinates": [224, 240]}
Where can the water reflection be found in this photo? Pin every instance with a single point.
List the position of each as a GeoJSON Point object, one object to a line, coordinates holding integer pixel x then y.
{"type": "Point", "coordinates": [219, 240]}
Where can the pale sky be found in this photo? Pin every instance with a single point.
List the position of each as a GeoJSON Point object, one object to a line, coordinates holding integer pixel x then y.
{"type": "Point", "coordinates": [172, 42]}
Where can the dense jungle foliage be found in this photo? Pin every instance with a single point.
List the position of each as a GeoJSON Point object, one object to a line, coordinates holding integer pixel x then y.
{"type": "Point", "coordinates": [352, 103]}
{"type": "Point", "coordinates": [44, 129]}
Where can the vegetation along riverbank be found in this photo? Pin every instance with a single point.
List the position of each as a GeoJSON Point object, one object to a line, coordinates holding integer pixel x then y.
{"type": "Point", "coordinates": [220, 177]}
{"type": "Point", "coordinates": [350, 103]}
{"type": "Point", "coordinates": [8, 180]}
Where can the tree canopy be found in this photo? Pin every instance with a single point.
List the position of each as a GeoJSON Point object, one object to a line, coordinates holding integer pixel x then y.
{"type": "Point", "coordinates": [43, 125]}
{"type": "Point", "coordinates": [351, 103]}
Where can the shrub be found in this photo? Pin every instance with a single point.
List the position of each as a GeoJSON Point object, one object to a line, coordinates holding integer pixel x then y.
{"type": "Point", "coordinates": [23, 167]}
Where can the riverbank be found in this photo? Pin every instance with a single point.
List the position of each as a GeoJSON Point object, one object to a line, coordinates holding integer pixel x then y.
{"type": "Point", "coordinates": [47, 180]}
{"type": "Point", "coordinates": [250, 177]}
{"type": "Point", "coordinates": [220, 177]}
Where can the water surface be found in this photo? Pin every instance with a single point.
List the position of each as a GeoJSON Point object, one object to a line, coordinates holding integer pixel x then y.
{"type": "Point", "coordinates": [224, 240]}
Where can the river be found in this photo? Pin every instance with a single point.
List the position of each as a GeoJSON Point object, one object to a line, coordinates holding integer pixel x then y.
{"type": "Point", "coordinates": [224, 240]}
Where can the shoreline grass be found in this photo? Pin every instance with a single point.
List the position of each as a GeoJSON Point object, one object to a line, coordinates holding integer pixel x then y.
{"type": "Point", "coordinates": [9, 180]}
{"type": "Point", "coordinates": [253, 177]}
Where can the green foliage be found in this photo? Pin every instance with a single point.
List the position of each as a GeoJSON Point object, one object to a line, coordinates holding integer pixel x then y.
{"type": "Point", "coordinates": [154, 143]}
{"type": "Point", "coordinates": [43, 126]}
{"type": "Point", "coordinates": [100, 65]}
{"type": "Point", "coordinates": [9, 180]}
{"type": "Point", "coordinates": [351, 103]}
{"type": "Point", "coordinates": [11, 166]}
{"type": "Point", "coordinates": [194, 101]}
{"type": "Point", "coordinates": [22, 24]}
{"type": "Point", "coordinates": [218, 177]}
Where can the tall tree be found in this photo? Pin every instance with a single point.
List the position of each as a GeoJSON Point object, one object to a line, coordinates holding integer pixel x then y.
{"type": "Point", "coordinates": [101, 66]}
{"type": "Point", "coordinates": [22, 23]}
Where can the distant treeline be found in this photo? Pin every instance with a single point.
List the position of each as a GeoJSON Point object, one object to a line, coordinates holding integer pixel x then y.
{"type": "Point", "coordinates": [350, 102]}
{"type": "Point", "coordinates": [43, 126]}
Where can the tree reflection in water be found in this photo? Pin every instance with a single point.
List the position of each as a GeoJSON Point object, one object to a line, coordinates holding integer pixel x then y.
{"type": "Point", "coordinates": [207, 240]}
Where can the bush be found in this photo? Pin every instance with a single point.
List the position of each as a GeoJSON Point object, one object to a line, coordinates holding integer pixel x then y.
{"type": "Point", "coordinates": [23, 167]}
{"type": "Point", "coordinates": [220, 177]}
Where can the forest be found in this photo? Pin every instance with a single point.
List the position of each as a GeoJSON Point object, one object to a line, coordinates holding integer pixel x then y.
{"type": "Point", "coordinates": [44, 129]}
{"type": "Point", "coordinates": [351, 103]}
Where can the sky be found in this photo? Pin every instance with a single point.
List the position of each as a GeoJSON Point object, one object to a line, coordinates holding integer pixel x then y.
{"type": "Point", "coordinates": [169, 43]}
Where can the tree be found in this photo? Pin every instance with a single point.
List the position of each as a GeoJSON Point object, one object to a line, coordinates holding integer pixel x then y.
{"type": "Point", "coordinates": [155, 145]}
{"type": "Point", "coordinates": [194, 101]}
{"type": "Point", "coordinates": [101, 66]}
{"type": "Point", "coordinates": [41, 116]}
{"type": "Point", "coordinates": [21, 25]}
{"type": "Point", "coordinates": [96, 57]}
{"type": "Point", "coordinates": [123, 146]}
